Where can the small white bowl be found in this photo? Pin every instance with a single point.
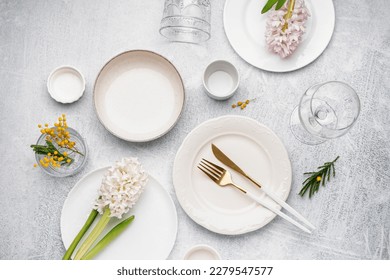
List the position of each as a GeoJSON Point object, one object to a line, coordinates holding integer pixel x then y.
{"type": "Point", "coordinates": [202, 252]}
{"type": "Point", "coordinates": [221, 80]}
{"type": "Point", "coordinates": [66, 84]}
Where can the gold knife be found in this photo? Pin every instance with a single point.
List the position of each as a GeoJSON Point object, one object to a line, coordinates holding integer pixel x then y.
{"type": "Point", "coordinates": [228, 162]}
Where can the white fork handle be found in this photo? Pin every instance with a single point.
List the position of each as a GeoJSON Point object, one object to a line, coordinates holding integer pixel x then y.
{"type": "Point", "coordinates": [277, 212]}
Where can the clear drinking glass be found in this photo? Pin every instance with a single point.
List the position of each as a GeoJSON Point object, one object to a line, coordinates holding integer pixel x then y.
{"type": "Point", "coordinates": [186, 20]}
{"type": "Point", "coordinates": [326, 111]}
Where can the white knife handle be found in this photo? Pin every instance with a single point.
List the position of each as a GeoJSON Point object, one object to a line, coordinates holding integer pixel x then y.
{"type": "Point", "coordinates": [283, 203]}
{"type": "Point", "coordinates": [276, 211]}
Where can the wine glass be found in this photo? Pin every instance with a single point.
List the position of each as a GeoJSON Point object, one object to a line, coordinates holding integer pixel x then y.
{"type": "Point", "coordinates": [327, 110]}
{"type": "Point", "coordinates": [186, 20]}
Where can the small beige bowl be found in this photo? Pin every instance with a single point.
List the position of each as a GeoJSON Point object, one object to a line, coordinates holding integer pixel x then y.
{"type": "Point", "coordinates": [202, 252]}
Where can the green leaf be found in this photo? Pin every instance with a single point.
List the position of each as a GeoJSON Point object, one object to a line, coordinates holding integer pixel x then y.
{"type": "Point", "coordinates": [268, 6]}
{"type": "Point", "coordinates": [312, 190]}
{"type": "Point", "coordinates": [303, 191]}
{"type": "Point", "coordinates": [50, 144]}
{"type": "Point", "coordinates": [88, 223]}
{"type": "Point", "coordinates": [280, 4]}
{"type": "Point", "coordinates": [306, 181]}
{"type": "Point", "coordinates": [41, 152]}
{"type": "Point", "coordinates": [97, 230]}
{"type": "Point", "coordinates": [108, 238]}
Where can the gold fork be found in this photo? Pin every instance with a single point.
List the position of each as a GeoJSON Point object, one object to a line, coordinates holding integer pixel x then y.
{"type": "Point", "coordinates": [223, 178]}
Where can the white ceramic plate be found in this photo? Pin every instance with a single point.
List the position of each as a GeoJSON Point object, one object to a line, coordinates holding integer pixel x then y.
{"type": "Point", "coordinates": [245, 28]}
{"type": "Point", "coordinates": [256, 149]}
{"type": "Point", "coordinates": [150, 236]}
{"type": "Point", "coordinates": [138, 95]}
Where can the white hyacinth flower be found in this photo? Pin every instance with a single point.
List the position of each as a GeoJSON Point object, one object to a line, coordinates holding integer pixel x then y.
{"type": "Point", "coordinates": [121, 187]}
{"type": "Point", "coordinates": [284, 40]}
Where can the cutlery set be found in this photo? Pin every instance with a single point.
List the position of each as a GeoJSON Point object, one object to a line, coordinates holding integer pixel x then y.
{"type": "Point", "coordinates": [223, 177]}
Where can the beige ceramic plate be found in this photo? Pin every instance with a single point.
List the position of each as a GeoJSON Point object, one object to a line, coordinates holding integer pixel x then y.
{"type": "Point", "coordinates": [138, 95]}
{"type": "Point", "coordinates": [256, 149]}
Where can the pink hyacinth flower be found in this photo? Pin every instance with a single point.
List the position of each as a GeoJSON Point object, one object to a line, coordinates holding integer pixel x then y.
{"type": "Point", "coordinates": [284, 43]}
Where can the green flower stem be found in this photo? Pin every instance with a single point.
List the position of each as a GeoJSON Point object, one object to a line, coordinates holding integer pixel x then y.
{"type": "Point", "coordinates": [97, 230]}
{"type": "Point", "coordinates": [108, 238]}
{"type": "Point", "coordinates": [288, 15]}
{"type": "Point", "coordinates": [88, 223]}
{"type": "Point", "coordinates": [76, 151]}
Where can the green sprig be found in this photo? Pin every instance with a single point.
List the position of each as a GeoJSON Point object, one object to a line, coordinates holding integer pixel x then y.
{"type": "Point", "coordinates": [318, 178]}
{"type": "Point", "coordinates": [50, 148]}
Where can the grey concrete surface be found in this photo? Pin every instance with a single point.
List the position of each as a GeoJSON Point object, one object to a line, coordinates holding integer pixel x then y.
{"type": "Point", "coordinates": [352, 214]}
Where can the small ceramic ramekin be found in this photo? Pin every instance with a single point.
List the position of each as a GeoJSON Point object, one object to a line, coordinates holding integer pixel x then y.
{"type": "Point", "coordinates": [66, 84]}
{"type": "Point", "coordinates": [202, 252]}
{"type": "Point", "coordinates": [221, 79]}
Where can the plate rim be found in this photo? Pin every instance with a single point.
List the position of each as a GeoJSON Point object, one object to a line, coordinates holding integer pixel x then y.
{"type": "Point", "coordinates": [195, 219]}
{"type": "Point", "coordinates": [288, 69]}
{"type": "Point", "coordinates": [181, 105]}
{"type": "Point", "coordinates": [104, 168]}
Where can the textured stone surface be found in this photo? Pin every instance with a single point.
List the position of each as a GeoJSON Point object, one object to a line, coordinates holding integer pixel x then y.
{"type": "Point", "coordinates": [352, 214]}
